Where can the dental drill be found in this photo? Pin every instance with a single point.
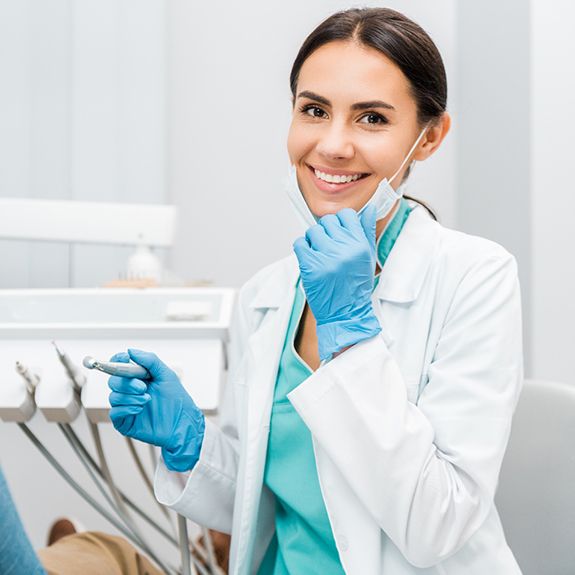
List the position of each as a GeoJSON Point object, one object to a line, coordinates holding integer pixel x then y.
{"type": "Point", "coordinates": [75, 375]}
{"type": "Point", "coordinates": [31, 379]}
{"type": "Point", "coordinates": [117, 368]}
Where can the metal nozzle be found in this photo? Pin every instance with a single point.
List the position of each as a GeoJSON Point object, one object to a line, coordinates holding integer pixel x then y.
{"type": "Point", "coordinates": [89, 362]}
{"type": "Point", "coordinates": [78, 379]}
{"type": "Point", "coordinates": [60, 354]}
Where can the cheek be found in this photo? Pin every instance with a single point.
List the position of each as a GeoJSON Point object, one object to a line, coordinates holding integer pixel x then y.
{"type": "Point", "coordinates": [298, 142]}
{"type": "Point", "coordinates": [381, 155]}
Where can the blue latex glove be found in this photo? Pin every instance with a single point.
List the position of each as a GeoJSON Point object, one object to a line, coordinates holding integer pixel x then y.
{"type": "Point", "coordinates": [157, 411]}
{"type": "Point", "coordinates": [337, 266]}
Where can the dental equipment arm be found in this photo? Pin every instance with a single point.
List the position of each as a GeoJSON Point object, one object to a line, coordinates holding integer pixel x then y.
{"type": "Point", "coordinates": [78, 379]}
{"type": "Point", "coordinates": [78, 488]}
{"type": "Point", "coordinates": [85, 457]}
{"type": "Point", "coordinates": [145, 477]}
{"type": "Point", "coordinates": [97, 476]}
{"type": "Point", "coordinates": [121, 508]}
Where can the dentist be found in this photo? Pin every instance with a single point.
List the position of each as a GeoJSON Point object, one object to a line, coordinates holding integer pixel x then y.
{"type": "Point", "coordinates": [373, 375]}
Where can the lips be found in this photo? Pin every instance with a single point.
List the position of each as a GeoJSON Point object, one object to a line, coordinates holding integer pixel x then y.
{"type": "Point", "coordinates": [337, 180]}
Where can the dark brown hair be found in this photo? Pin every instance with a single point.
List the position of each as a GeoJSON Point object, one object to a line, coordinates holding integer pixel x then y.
{"type": "Point", "coordinates": [398, 38]}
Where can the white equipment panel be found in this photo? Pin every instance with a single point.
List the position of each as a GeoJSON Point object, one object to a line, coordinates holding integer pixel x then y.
{"type": "Point", "coordinates": [186, 327]}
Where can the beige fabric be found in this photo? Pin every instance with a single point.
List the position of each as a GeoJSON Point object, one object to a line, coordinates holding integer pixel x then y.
{"type": "Point", "coordinates": [95, 553]}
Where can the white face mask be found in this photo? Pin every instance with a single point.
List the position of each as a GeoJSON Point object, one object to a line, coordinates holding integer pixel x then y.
{"type": "Point", "coordinates": [383, 198]}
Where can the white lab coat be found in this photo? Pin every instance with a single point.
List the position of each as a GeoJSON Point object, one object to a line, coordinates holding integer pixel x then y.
{"type": "Point", "coordinates": [409, 427]}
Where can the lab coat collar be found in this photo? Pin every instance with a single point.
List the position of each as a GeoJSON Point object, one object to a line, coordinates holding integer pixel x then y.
{"type": "Point", "coordinates": [402, 277]}
{"type": "Point", "coordinates": [406, 267]}
{"type": "Point", "coordinates": [278, 286]}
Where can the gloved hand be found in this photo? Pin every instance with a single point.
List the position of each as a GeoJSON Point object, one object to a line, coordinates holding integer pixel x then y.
{"type": "Point", "coordinates": [157, 411]}
{"type": "Point", "coordinates": [337, 266]}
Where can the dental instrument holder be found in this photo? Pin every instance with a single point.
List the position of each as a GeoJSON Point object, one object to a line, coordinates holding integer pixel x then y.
{"type": "Point", "coordinates": [187, 327]}
{"type": "Point", "coordinates": [58, 397]}
{"type": "Point", "coordinates": [17, 403]}
{"type": "Point", "coordinates": [77, 378]}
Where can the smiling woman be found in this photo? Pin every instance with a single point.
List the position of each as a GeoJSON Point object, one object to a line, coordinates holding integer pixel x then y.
{"type": "Point", "coordinates": [365, 84]}
{"type": "Point", "coordinates": [373, 376]}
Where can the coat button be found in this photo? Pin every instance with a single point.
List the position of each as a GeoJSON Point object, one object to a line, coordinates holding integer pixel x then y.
{"type": "Point", "coordinates": [343, 543]}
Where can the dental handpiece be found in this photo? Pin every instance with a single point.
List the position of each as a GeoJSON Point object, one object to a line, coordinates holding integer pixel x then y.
{"type": "Point", "coordinates": [117, 368]}
{"type": "Point", "coordinates": [31, 379]}
{"type": "Point", "coordinates": [75, 375]}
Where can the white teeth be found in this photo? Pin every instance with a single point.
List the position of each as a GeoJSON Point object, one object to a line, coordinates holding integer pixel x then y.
{"type": "Point", "coordinates": [336, 179]}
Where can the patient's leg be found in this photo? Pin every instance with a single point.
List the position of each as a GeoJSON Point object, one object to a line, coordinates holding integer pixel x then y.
{"type": "Point", "coordinates": [16, 553]}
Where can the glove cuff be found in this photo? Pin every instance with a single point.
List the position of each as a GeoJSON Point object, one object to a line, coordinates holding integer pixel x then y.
{"type": "Point", "coordinates": [337, 335]}
{"type": "Point", "coordinates": [186, 442]}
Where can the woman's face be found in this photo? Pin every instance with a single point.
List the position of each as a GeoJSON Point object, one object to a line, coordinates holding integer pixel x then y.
{"type": "Point", "coordinates": [354, 118]}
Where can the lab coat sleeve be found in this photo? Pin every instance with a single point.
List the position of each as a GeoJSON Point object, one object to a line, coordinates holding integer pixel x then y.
{"type": "Point", "coordinates": [428, 472]}
{"type": "Point", "coordinates": [206, 493]}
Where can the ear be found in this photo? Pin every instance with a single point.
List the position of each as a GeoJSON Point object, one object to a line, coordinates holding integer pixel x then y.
{"type": "Point", "coordinates": [433, 138]}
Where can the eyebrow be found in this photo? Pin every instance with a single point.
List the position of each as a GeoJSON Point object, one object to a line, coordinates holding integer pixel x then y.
{"type": "Point", "coordinates": [357, 106]}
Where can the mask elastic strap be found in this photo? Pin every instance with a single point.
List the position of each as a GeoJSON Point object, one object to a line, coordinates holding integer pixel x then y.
{"type": "Point", "coordinates": [406, 159]}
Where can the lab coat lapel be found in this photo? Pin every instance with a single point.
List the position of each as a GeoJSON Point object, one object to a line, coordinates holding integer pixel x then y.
{"type": "Point", "coordinates": [406, 267]}
{"type": "Point", "coordinates": [264, 350]}
{"type": "Point", "coordinates": [274, 300]}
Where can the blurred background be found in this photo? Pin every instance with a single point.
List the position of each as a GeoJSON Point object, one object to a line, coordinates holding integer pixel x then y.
{"type": "Point", "coordinates": [188, 103]}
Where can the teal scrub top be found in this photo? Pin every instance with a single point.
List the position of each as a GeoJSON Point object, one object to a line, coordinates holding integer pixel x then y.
{"type": "Point", "coordinates": [303, 541]}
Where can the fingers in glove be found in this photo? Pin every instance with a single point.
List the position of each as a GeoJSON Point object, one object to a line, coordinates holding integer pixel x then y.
{"type": "Point", "coordinates": [156, 367]}
{"type": "Point", "coordinates": [349, 219]}
{"type": "Point", "coordinates": [301, 248]}
{"type": "Point", "coordinates": [317, 238]}
{"type": "Point", "coordinates": [333, 227]}
{"type": "Point", "coordinates": [126, 399]}
{"type": "Point", "coordinates": [127, 385]}
{"type": "Point", "coordinates": [123, 419]}
{"type": "Point", "coordinates": [121, 357]}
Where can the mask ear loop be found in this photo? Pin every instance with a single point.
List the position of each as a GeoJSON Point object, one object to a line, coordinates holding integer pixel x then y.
{"type": "Point", "coordinates": [406, 159]}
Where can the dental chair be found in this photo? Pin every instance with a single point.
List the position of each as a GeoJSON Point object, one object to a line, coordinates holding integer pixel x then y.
{"type": "Point", "coordinates": [536, 493]}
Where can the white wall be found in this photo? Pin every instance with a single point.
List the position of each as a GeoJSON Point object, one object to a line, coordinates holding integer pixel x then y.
{"type": "Point", "coordinates": [493, 148]}
{"type": "Point", "coordinates": [230, 110]}
{"type": "Point", "coordinates": [83, 116]}
{"type": "Point", "coordinates": [553, 189]}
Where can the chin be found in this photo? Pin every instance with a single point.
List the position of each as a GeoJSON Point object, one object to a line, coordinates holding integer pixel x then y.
{"type": "Point", "coordinates": [319, 209]}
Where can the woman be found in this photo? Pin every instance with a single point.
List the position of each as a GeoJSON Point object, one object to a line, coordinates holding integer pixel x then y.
{"type": "Point", "coordinates": [373, 375]}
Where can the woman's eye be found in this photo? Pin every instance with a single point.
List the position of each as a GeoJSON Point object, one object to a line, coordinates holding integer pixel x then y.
{"type": "Point", "coordinates": [373, 118]}
{"type": "Point", "coordinates": [313, 111]}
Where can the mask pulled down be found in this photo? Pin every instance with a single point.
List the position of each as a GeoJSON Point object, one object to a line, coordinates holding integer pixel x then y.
{"type": "Point", "coordinates": [384, 197]}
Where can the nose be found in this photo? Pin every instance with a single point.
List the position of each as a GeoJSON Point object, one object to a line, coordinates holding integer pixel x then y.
{"type": "Point", "coordinates": [335, 143]}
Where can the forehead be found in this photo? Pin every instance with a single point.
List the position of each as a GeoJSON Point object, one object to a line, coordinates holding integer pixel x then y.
{"type": "Point", "coordinates": [345, 71]}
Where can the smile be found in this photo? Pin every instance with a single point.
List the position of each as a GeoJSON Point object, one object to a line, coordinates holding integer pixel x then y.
{"type": "Point", "coordinates": [336, 179]}
{"type": "Point", "coordinates": [331, 182]}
